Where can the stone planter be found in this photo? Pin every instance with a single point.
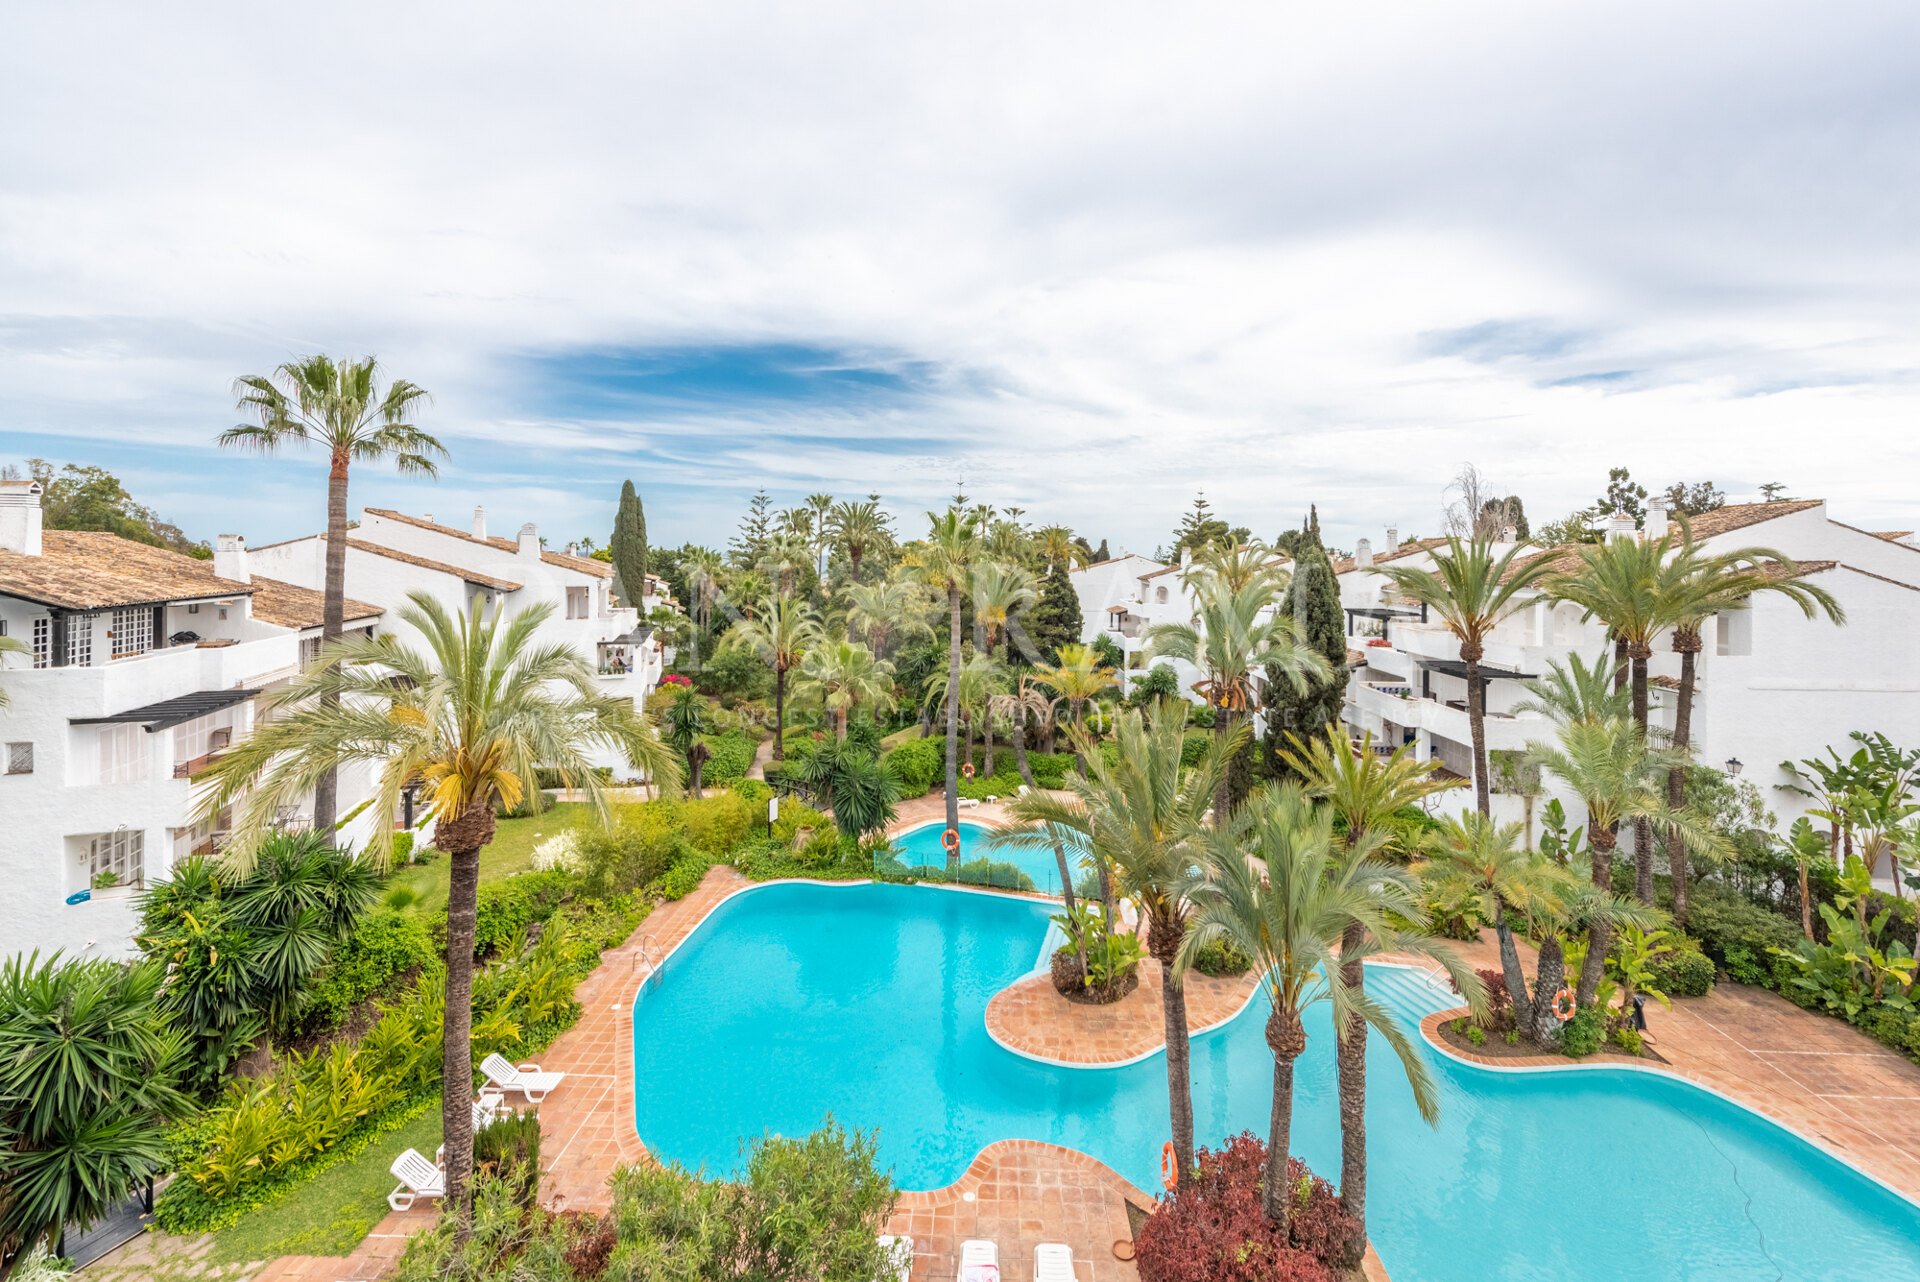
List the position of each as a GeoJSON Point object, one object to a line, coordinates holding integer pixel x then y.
{"type": "Point", "coordinates": [1067, 981]}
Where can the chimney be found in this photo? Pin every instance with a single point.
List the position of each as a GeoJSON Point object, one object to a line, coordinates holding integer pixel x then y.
{"type": "Point", "coordinates": [1186, 557]}
{"type": "Point", "coordinates": [479, 523]}
{"type": "Point", "coordinates": [20, 517]}
{"type": "Point", "coordinates": [1619, 526]}
{"type": "Point", "coordinates": [1393, 541]}
{"type": "Point", "coordinates": [529, 547]}
{"type": "Point", "coordinates": [1363, 554]}
{"type": "Point", "coordinates": [427, 517]}
{"type": "Point", "coordinates": [230, 558]}
{"type": "Point", "coordinates": [1656, 524]}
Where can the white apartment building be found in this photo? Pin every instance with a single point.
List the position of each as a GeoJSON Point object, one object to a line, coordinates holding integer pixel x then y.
{"type": "Point", "coordinates": [143, 665]}
{"type": "Point", "coordinates": [391, 555]}
{"type": "Point", "coordinates": [1771, 685]}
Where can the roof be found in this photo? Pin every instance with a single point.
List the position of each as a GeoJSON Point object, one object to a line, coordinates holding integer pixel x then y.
{"type": "Point", "coordinates": [426, 563]}
{"type": "Point", "coordinates": [173, 712]}
{"type": "Point", "coordinates": [1736, 516]}
{"type": "Point", "coordinates": [1154, 574]}
{"type": "Point", "coordinates": [1346, 564]}
{"type": "Point", "coordinates": [287, 605]}
{"type": "Point", "coordinates": [1356, 658]}
{"type": "Point", "coordinates": [1892, 536]}
{"type": "Point", "coordinates": [94, 570]}
{"type": "Point", "coordinates": [585, 565]}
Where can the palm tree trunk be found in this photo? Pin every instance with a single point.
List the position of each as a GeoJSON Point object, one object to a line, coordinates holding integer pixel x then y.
{"type": "Point", "coordinates": [1350, 1059]}
{"type": "Point", "coordinates": [326, 788]}
{"type": "Point", "coordinates": [986, 729]}
{"type": "Point", "coordinates": [1638, 653]}
{"type": "Point", "coordinates": [1222, 791]}
{"type": "Point", "coordinates": [462, 838]}
{"type": "Point", "coordinates": [1059, 851]}
{"type": "Point", "coordinates": [1510, 967]}
{"type": "Point", "coordinates": [779, 711]}
{"type": "Point", "coordinates": [1600, 845]}
{"type": "Point", "coordinates": [1163, 941]}
{"type": "Point", "coordinates": [953, 719]}
{"type": "Point", "coordinates": [1286, 1039]}
{"type": "Point", "coordinates": [1688, 646]}
{"type": "Point", "coordinates": [1549, 976]}
{"type": "Point", "coordinates": [1477, 727]}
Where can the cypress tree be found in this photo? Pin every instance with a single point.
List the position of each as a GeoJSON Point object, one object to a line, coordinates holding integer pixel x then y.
{"type": "Point", "coordinates": [1313, 602]}
{"type": "Point", "coordinates": [1054, 620]}
{"type": "Point", "coordinates": [629, 544]}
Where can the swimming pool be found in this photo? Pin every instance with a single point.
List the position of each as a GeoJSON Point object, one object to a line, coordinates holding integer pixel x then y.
{"type": "Point", "coordinates": [869, 1002]}
{"type": "Point", "coordinates": [920, 847]}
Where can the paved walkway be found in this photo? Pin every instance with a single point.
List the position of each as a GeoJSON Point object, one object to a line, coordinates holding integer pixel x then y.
{"type": "Point", "coordinates": [1031, 1017]}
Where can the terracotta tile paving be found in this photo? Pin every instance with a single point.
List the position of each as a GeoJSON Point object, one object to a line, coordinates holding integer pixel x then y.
{"type": "Point", "coordinates": [1814, 1074]}
{"type": "Point", "coordinates": [1031, 1017]}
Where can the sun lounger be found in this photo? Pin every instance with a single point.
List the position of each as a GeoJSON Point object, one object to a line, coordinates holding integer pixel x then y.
{"type": "Point", "coordinates": [1052, 1262]}
{"type": "Point", "coordinates": [899, 1258]}
{"type": "Point", "coordinates": [967, 803]}
{"type": "Point", "coordinates": [979, 1262]}
{"type": "Point", "coordinates": [418, 1178]}
{"type": "Point", "coordinates": [525, 1078]}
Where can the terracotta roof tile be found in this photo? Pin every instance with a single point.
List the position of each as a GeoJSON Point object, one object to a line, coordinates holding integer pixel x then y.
{"type": "Point", "coordinates": [1737, 516]}
{"type": "Point", "coordinates": [1891, 536]}
{"type": "Point", "coordinates": [426, 563]}
{"type": "Point", "coordinates": [92, 570]}
{"type": "Point", "coordinates": [288, 605]}
{"type": "Point", "coordinates": [585, 565]}
{"type": "Point", "coordinates": [1346, 564]}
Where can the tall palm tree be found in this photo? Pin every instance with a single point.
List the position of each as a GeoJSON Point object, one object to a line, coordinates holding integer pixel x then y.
{"type": "Point", "coordinates": [340, 407]}
{"type": "Point", "coordinates": [1145, 817]}
{"type": "Point", "coordinates": [845, 675]}
{"type": "Point", "coordinates": [1077, 676]}
{"type": "Point", "coordinates": [785, 557]}
{"type": "Point", "coordinates": [884, 611]}
{"type": "Point", "coordinates": [1237, 565]}
{"type": "Point", "coordinates": [1696, 585]}
{"type": "Point", "coordinates": [821, 505]}
{"type": "Point", "coordinates": [780, 631]}
{"type": "Point", "coordinates": [1238, 636]}
{"type": "Point", "coordinates": [1055, 546]}
{"type": "Point", "coordinates": [859, 528]}
{"type": "Point", "coordinates": [1026, 703]}
{"type": "Point", "coordinates": [1001, 591]}
{"type": "Point", "coordinates": [10, 645]}
{"type": "Point", "coordinates": [1471, 587]}
{"type": "Point", "coordinates": [1364, 791]}
{"type": "Point", "coordinates": [946, 561]}
{"type": "Point", "coordinates": [703, 567]}
{"type": "Point", "coordinates": [1287, 906]}
{"type": "Point", "coordinates": [476, 716]}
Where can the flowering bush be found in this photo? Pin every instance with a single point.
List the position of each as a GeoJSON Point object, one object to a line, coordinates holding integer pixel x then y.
{"type": "Point", "coordinates": [562, 851]}
{"type": "Point", "coordinates": [677, 679]}
{"type": "Point", "coordinates": [1378, 643]}
{"type": "Point", "coordinates": [1214, 1229]}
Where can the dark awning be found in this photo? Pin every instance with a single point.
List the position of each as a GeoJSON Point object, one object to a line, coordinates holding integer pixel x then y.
{"type": "Point", "coordinates": [636, 637]}
{"type": "Point", "coordinates": [1384, 611]}
{"type": "Point", "coordinates": [173, 712]}
{"type": "Point", "coordinates": [1455, 668]}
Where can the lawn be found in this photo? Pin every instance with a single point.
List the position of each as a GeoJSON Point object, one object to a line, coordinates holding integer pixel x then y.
{"type": "Point", "coordinates": [510, 852]}
{"type": "Point", "coordinates": [331, 1213]}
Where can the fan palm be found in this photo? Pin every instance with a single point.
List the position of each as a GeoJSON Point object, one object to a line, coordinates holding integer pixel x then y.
{"type": "Point", "coordinates": [1287, 907]}
{"type": "Point", "coordinates": [340, 407]}
{"type": "Point", "coordinates": [1077, 676]}
{"type": "Point", "coordinates": [1237, 635]}
{"type": "Point", "coordinates": [946, 561]}
{"type": "Point", "coordinates": [780, 631]}
{"type": "Point", "coordinates": [858, 528]}
{"type": "Point", "coordinates": [1143, 816]}
{"type": "Point", "coordinates": [1471, 587]}
{"type": "Point", "coordinates": [999, 592]}
{"type": "Point", "coordinates": [476, 717]}
{"type": "Point", "coordinates": [885, 611]}
{"type": "Point", "coordinates": [844, 675]}
{"type": "Point", "coordinates": [1364, 790]}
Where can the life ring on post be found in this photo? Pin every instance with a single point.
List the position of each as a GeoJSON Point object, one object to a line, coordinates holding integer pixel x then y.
{"type": "Point", "coordinates": [1563, 1005]}
{"type": "Point", "coordinates": [950, 839]}
{"type": "Point", "coordinates": [1169, 1166]}
{"type": "Point", "coordinates": [966, 768]}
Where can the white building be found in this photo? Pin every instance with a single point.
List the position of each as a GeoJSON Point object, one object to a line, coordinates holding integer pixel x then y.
{"type": "Point", "coordinates": [143, 665]}
{"type": "Point", "coordinates": [1771, 685]}
{"type": "Point", "coordinates": [391, 555]}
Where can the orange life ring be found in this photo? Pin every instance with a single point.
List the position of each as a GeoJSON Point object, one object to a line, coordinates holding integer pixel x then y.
{"type": "Point", "coordinates": [1563, 1005]}
{"type": "Point", "coordinates": [1169, 1166]}
{"type": "Point", "coordinates": [967, 769]}
{"type": "Point", "coordinates": [950, 839]}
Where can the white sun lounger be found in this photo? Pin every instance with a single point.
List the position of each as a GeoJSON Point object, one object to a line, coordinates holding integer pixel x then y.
{"type": "Point", "coordinates": [967, 803]}
{"type": "Point", "coordinates": [899, 1258]}
{"type": "Point", "coordinates": [979, 1262]}
{"type": "Point", "coordinates": [418, 1178]}
{"type": "Point", "coordinates": [1052, 1262]}
{"type": "Point", "coordinates": [526, 1078]}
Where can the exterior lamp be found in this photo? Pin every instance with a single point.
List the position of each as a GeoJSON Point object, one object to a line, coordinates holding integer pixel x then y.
{"type": "Point", "coordinates": [1733, 766]}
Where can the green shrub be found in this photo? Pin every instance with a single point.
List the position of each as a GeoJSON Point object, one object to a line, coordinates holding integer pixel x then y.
{"type": "Point", "coordinates": [384, 947]}
{"type": "Point", "coordinates": [637, 847]}
{"type": "Point", "coordinates": [1220, 957]}
{"type": "Point", "coordinates": [683, 878]}
{"type": "Point", "coordinates": [505, 908]}
{"type": "Point", "coordinates": [1050, 769]}
{"type": "Point", "coordinates": [402, 848]}
{"type": "Point", "coordinates": [721, 822]}
{"type": "Point", "coordinates": [731, 757]}
{"type": "Point", "coordinates": [1684, 972]}
{"type": "Point", "coordinates": [1630, 1040]}
{"type": "Point", "coordinates": [1737, 935]}
{"type": "Point", "coordinates": [1477, 1035]}
{"type": "Point", "coordinates": [508, 1149]}
{"type": "Point", "coordinates": [400, 897]}
{"type": "Point", "coordinates": [919, 765]}
{"type": "Point", "coordinates": [1584, 1034]}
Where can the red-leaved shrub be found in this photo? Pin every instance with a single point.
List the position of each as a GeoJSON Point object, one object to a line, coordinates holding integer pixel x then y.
{"type": "Point", "coordinates": [1215, 1229]}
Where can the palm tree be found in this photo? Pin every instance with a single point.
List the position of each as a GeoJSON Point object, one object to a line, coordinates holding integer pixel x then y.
{"type": "Point", "coordinates": [1077, 676]}
{"type": "Point", "coordinates": [859, 528]}
{"type": "Point", "coordinates": [339, 406]}
{"type": "Point", "coordinates": [1472, 588]}
{"type": "Point", "coordinates": [844, 674]}
{"type": "Point", "coordinates": [1237, 636]}
{"type": "Point", "coordinates": [1025, 703]}
{"type": "Point", "coordinates": [1287, 906]}
{"type": "Point", "coordinates": [946, 560]}
{"type": "Point", "coordinates": [476, 716]}
{"type": "Point", "coordinates": [881, 612]}
{"type": "Point", "coordinates": [1055, 545]}
{"type": "Point", "coordinates": [1620, 777]}
{"type": "Point", "coordinates": [1576, 690]}
{"type": "Point", "coordinates": [1237, 565]}
{"type": "Point", "coordinates": [785, 557]}
{"type": "Point", "coordinates": [1000, 592]}
{"type": "Point", "coordinates": [89, 1072]}
{"type": "Point", "coordinates": [821, 505]}
{"type": "Point", "coordinates": [780, 631]}
{"type": "Point", "coordinates": [703, 567]}
{"type": "Point", "coordinates": [1146, 818]}
{"type": "Point", "coordinates": [1696, 586]}
{"type": "Point", "coordinates": [1364, 790]}
{"type": "Point", "coordinates": [10, 645]}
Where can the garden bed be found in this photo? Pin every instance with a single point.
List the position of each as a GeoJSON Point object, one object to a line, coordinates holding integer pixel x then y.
{"type": "Point", "coordinates": [1496, 1047]}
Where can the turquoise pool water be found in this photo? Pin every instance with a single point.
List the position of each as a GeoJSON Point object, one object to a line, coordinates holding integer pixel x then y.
{"type": "Point", "coordinates": [921, 846]}
{"type": "Point", "coordinates": [869, 1002]}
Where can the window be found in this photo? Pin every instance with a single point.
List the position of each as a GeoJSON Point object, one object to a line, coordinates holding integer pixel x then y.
{"type": "Point", "coordinates": [116, 859]}
{"type": "Point", "coordinates": [123, 754]}
{"type": "Point", "coordinates": [132, 632]}
{"type": "Point", "coordinates": [80, 641]}
{"type": "Point", "coordinates": [1734, 633]}
{"type": "Point", "coordinates": [1160, 595]}
{"type": "Point", "coordinates": [42, 641]}
{"type": "Point", "coordinates": [577, 600]}
{"type": "Point", "coordinates": [310, 651]}
{"type": "Point", "coordinates": [19, 758]}
{"type": "Point", "coordinates": [202, 737]}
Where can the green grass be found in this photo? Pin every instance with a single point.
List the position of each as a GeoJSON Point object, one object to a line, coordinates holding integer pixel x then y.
{"type": "Point", "coordinates": [331, 1213]}
{"type": "Point", "coordinates": [510, 852]}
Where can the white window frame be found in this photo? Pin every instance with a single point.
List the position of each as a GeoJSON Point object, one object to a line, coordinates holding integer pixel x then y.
{"type": "Point", "coordinates": [80, 641]}
{"type": "Point", "coordinates": [132, 633]}
{"type": "Point", "coordinates": [123, 752]}
{"type": "Point", "coordinates": [122, 852]}
{"type": "Point", "coordinates": [579, 603]}
{"type": "Point", "coordinates": [43, 641]}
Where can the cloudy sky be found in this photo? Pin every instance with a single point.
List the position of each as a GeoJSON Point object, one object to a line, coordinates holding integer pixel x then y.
{"type": "Point", "coordinates": [1083, 258]}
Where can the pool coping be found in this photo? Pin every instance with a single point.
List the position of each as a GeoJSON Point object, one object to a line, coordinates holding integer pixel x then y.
{"type": "Point", "coordinates": [941, 823]}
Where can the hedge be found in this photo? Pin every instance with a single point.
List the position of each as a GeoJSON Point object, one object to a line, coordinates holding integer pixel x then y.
{"type": "Point", "coordinates": [730, 756]}
{"type": "Point", "coordinates": [1737, 935]}
{"type": "Point", "coordinates": [383, 947]}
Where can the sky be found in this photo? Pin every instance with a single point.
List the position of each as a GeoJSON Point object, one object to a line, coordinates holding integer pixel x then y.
{"type": "Point", "coordinates": [1083, 259]}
